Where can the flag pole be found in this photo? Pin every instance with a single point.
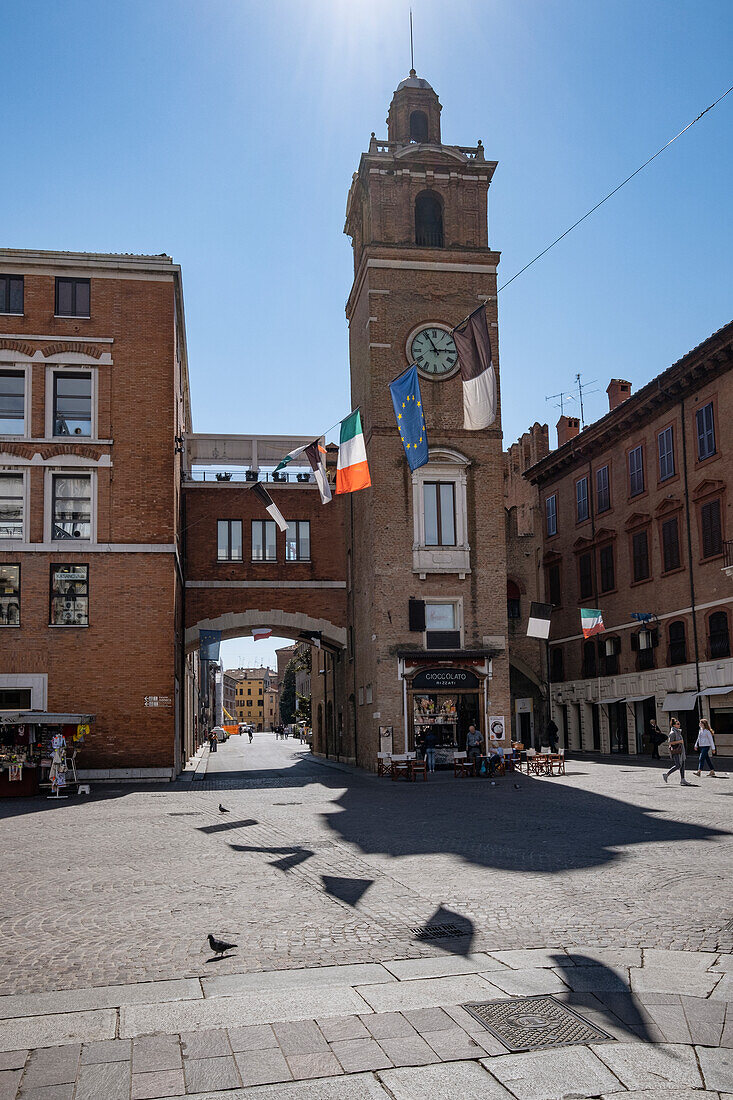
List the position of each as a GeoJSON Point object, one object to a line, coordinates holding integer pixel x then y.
{"type": "Point", "coordinates": [471, 314]}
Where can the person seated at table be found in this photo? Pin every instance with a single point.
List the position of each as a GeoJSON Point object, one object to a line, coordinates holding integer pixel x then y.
{"type": "Point", "coordinates": [474, 741]}
{"type": "Point", "coordinates": [496, 754]}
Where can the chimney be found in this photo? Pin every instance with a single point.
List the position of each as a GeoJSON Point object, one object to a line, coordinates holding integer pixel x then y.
{"type": "Point", "coordinates": [618, 391]}
{"type": "Point", "coordinates": [567, 428]}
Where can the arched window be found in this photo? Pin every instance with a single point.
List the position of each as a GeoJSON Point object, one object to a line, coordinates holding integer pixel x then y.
{"type": "Point", "coordinates": [557, 665]}
{"type": "Point", "coordinates": [429, 220]}
{"type": "Point", "coordinates": [719, 635]}
{"type": "Point", "coordinates": [677, 643]}
{"type": "Point", "coordinates": [418, 126]}
{"type": "Point", "coordinates": [512, 599]}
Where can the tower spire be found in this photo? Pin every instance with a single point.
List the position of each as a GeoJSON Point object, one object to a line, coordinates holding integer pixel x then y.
{"type": "Point", "coordinates": [412, 50]}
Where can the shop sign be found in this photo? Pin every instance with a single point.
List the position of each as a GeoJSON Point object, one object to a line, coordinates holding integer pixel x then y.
{"type": "Point", "coordinates": [445, 679]}
{"type": "Point", "coordinates": [497, 726]}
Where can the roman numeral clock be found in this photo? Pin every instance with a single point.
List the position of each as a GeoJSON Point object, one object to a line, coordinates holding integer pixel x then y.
{"type": "Point", "coordinates": [433, 349]}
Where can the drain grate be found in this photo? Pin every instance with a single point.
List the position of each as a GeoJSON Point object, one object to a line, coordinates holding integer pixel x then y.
{"type": "Point", "coordinates": [438, 931]}
{"type": "Point", "coordinates": [534, 1023]}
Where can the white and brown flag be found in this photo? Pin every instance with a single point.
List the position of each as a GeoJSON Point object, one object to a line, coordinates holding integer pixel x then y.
{"type": "Point", "coordinates": [269, 505]}
{"type": "Point", "coordinates": [477, 371]}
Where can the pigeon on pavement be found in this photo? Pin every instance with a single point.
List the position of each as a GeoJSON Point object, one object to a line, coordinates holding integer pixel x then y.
{"type": "Point", "coordinates": [223, 809]}
{"type": "Point", "coordinates": [220, 947]}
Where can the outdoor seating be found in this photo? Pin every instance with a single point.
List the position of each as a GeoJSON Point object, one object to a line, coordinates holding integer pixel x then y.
{"type": "Point", "coordinates": [401, 766]}
{"type": "Point", "coordinates": [557, 763]}
{"type": "Point", "coordinates": [384, 763]}
{"type": "Point", "coordinates": [461, 765]}
{"type": "Point", "coordinates": [419, 767]}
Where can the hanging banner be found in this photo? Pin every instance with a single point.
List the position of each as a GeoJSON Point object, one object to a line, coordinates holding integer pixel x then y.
{"type": "Point", "coordinates": [209, 643]}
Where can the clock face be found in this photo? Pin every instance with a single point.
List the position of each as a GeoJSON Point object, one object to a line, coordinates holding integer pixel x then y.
{"type": "Point", "coordinates": [434, 352]}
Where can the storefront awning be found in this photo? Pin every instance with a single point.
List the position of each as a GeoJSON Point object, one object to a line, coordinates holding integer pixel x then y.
{"type": "Point", "coordinates": [616, 699]}
{"type": "Point", "coordinates": [717, 690]}
{"type": "Point", "coordinates": [638, 698]}
{"type": "Point", "coordinates": [40, 718]}
{"type": "Point", "coordinates": [679, 700]}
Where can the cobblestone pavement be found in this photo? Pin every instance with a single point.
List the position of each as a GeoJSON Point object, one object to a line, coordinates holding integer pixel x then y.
{"type": "Point", "coordinates": [313, 866]}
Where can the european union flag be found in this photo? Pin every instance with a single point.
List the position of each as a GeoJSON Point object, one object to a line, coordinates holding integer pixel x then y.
{"type": "Point", "coordinates": [209, 641]}
{"type": "Point", "coordinates": [408, 409]}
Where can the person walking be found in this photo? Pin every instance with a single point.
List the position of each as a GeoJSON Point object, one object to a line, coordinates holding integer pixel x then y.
{"type": "Point", "coordinates": [250, 735]}
{"type": "Point", "coordinates": [430, 740]}
{"type": "Point", "coordinates": [213, 742]}
{"type": "Point", "coordinates": [705, 744]}
{"type": "Point", "coordinates": [676, 743]}
{"type": "Point", "coordinates": [656, 737]}
{"type": "Point", "coordinates": [551, 735]}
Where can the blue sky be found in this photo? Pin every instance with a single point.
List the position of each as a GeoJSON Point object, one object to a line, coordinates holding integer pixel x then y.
{"type": "Point", "coordinates": [225, 133]}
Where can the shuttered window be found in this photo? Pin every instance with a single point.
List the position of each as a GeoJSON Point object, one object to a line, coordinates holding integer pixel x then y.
{"type": "Point", "coordinates": [603, 492]}
{"type": "Point", "coordinates": [553, 585]}
{"type": "Point", "coordinates": [636, 471]}
{"type": "Point", "coordinates": [608, 580]}
{"type": "Point", "coordinates": [705, 423]}
{"type": "Point", "coordinates": [581, 499]}
{"type": "Point", "coordinates": [551, 514]}
{"type": "Point", "coordinates": [719, 636]}
{"type": "Point", "coordinates": [585, 575]}
{"type": "Point", "coordinates": [670, 544]}
{"type": "Point", "coordinates": [712, 531]}
{"type": "Point", "coordinates": [677, 643]}
{"type": "Point", "coordinates": [640, 555]}
{"type": "Point", "coordinates": [665, 445]}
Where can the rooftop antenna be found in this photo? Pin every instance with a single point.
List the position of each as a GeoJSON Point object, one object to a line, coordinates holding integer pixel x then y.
{"type": "Point", "coordinates": [581, 389]}
{"type": "Point", "coordinates": [563, 396]}
{"type": "Point", "coordinates": [412, 49]}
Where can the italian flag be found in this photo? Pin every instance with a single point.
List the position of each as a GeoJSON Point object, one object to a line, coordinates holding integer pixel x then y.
{"type": "Point", "coordinates": [591, 621]}
{"type": "Point", "coordinates": [352, 471]}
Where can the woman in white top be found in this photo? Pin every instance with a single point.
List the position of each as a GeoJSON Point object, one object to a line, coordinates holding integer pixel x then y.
{"type": "Point", "coordinates": [706, 745]}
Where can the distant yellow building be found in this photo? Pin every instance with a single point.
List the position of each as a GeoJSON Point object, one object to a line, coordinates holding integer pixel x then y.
{"type": "Point", "coordinates": [272, 708]}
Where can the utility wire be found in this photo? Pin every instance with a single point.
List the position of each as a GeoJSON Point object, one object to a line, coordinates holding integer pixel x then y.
{"type": "Point", "coordinates": [611, 193]}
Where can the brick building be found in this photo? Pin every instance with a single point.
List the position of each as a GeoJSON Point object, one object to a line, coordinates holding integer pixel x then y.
{"type": "Point", "coordinates": [93, 393]}
{"type": "Point", "coordinates": [434, 541]}
{"type": "Point", "coordinates": [634, 512]}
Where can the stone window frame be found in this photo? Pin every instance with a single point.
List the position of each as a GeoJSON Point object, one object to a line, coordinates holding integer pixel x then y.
{"type": "Point", "coordinates": [68, 470]}
{"type": "Point", "coordinates": [19, 469]}
{"type": "Point", "coordinates": [52, 369]}
{"type": "Point", "coordinates": [456, 602]}
{"type": "Point", "coordinates": [25, 367]}
{"type": "Point", "coordinates": [444, 464]}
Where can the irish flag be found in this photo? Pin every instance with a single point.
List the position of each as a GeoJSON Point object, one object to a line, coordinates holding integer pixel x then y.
{"type": "Point", "coordinates": [591, 621]}
{"type": "Point", "coordinates": [352, 471]}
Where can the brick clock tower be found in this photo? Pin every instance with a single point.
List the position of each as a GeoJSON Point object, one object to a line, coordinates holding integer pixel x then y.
{"type": "Point", "coordinates": [427, 557]}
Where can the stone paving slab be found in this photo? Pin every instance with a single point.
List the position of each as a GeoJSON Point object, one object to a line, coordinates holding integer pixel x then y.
{"type": "Point", "coordinates": [664, 957]}
{"type": "Point", "coordinates": [311, 977]}
{"type": "Point", "coordinates": [668, 979]}
{"type": "Point", "coordinates": [553, 1074]}
{"type": "Point", "coordinates": [362, 1086]}
{"type": "Point", "coordinates": [13, 1059]}
{"type": "Point", "coordinates": [427, 993]}
{"type": "Point", "coordinates": [241, 1009]}
{"type": "Point", "coordinates": [705, 1020]}
{"type": "Point", "coordinates": [260, 1067]}
{"type": "Point", "coordinates": [589, 979]}
{"type": "Point", "coordinates": [467, 1080]}
{"type": "Point", "coordinates": [442, 966]}
{"type": "Point", "coordinates": [724, 989]}
{"type": "Point", "coordinates": [9, 1082]}
{"type": "Point", "coordinates": [111, 996]}
{"type": "Point", "coordinates": [110, 1080]}
{"type": "Point", "coordinates": [44, 1031]}
{"type": "Point", "coordinates": [663, 1065]}
{"type": "Point", "coordinates": [525, 983]}
{"type": "Point", "coordinates": [717, 1067]}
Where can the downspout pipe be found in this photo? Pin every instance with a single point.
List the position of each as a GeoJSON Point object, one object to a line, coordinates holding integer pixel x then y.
{"type": "Point", "coordinates": [695, 637]}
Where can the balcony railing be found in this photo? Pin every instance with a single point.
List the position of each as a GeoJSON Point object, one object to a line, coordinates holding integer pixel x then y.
{"type": "Point", "coordinates": [289, 477]}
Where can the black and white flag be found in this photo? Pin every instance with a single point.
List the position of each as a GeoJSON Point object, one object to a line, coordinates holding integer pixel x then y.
{"type": "Point", "coordinates": [477, 371]}
{"type": "Point", "coordinates": [539, 620]}
{"type": "Point", "coordinates": [269, 505]}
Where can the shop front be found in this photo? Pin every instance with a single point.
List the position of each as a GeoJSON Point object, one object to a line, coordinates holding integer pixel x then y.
{"type": "Point", "coordinates": [38, 751]}
{"type": "Point", "coordinates": [444, 700]}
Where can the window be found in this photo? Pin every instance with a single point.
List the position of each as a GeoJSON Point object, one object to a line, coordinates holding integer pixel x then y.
{"type": "Point", "coordinates": [608, 580]}
{"type": "Point", "coordinates": [609, 650]}
{"type": "Point", "coordinates": [72, 403]}
{"type": "Point", "coordinates": [9, 595]}
{"type": "Point", "coordinates": [636, 471]}
{"type": "Point", "coordinates": [640, 555]}
{"type": "Point", "coordinates": [418, 126]}
{"type": "Point", "coordinates": [551, 514]}
{"type": "Point", "coordinates": [603, 490]}
{"type": "Point", "coordinates": [719, 640]}
{"type": "Point", "coordinates": [72, 297]}
{"type": "Point", "coordinates": [11, 293]}
{"type": "Point", "coordinates": [705, 422]}
{"type": "Point", "coordinates": [670, 544]}
{"type": "Point", "coordinates": [229, 546]}
{"type": "Point", "coordinates": [69, 595]}
{"type": "Point", "coordinates": [11, 506]}
{"type": "Point", "coordinates": [71, 516]}
{"type": "Point", "coordinates": [665, 446]}
{"type": "Point", "coordinates": [557, 665]}
{"type": "Point", "coordinates": [712, 530]}
{"type": "Point", "coordinates": [589, 659]}
{"type": "Point", "coordinates": [439, 502]}
{"type": "Point", "coordinates": [581, 499]}
{"type": "Point", "coordinates": [513, 604]}
{"type": "Point", "coordinates": [553, 585]}
{"type": "Point", "coordinates": [442, 629]}
{"type": "Point", "coordinates": [15, 698]}
{"type": "Point", "coordinates": [585, 575]}
{"type": "Point", "coordinates": [677, 643]}
{"type": "Point", "coordinates": [298, 541]}
{"type": "Point", "coordinates": [264, 547]}
{"type": "Point", "coordinates": [429, 220]}
{"type": "Point", "coordinates": [12, 402]}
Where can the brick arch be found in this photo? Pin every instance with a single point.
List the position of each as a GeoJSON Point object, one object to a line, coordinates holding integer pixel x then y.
{"type": "Point", "coordinates": [286, 624]}
{"type": "Point", "coordinates": [20, 450]}
{"type": "Point", "coordinates": [94, 350]}
{"type": "Point", "coordinates": [57, 450]}
{"type": "Point", "coordinates": [17, 345]}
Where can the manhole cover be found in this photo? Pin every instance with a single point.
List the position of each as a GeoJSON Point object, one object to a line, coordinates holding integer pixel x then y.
{"type": "Point", "coordinates": [534, 1023]}
{"type": "Point", "coordinates": [438, 931]}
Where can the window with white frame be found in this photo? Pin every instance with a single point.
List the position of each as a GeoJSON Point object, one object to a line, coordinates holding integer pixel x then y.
{"type": "Point", "coordinates": [298, 540]}
{"type": "Point", "coordinates": [229, 540]}
{"type": "Point", "coordinates": [71, 506]}
{"type": "Point", "coordinates": [72, 403]}
{"type": "Point", "coordinates": [11, 506]}
{"type": "Point", "coordinates": [264, 545]}
{"type": "Point", "coordinates": [442, 624]}
{"type": "Point", "coordinates": [12, 402]}
{"type": "Point", "coordinates": [9, 594]}
{"type": "Point", "coordinates": [69, 595]}
{"type": "Point", "coordinates": [551, 514]}
{"type": "Point", "coordinates": [440, 521]}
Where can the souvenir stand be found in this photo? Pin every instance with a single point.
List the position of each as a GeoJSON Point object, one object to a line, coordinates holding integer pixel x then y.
{"type": "Point", "coordinates": [38, 752]}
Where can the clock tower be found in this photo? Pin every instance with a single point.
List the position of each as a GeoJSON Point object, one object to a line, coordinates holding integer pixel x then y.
{"type": "Point", "coordinates": [427, 558]}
